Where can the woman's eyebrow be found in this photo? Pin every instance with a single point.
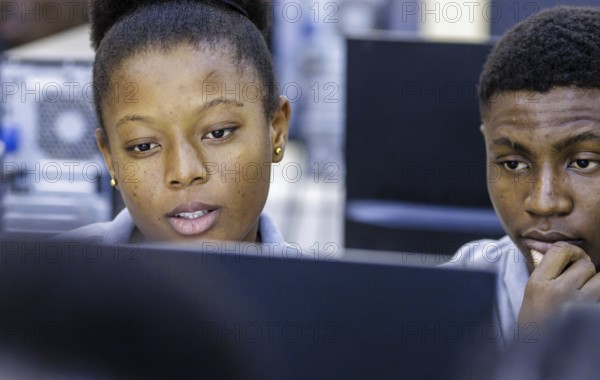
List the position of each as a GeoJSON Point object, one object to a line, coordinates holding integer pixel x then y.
{"type": "Point", "coordinates": [218, 101]}
{"type": "Point", "coordinates": [572, 140]}
{"type": "Point", "coordinates": [128, 118]}
{"type": "Point", "coordinates": [204, 107]}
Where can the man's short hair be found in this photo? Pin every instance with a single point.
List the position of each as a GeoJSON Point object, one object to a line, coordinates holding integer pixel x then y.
{"type": "Point", "coordinates": [559, 46]}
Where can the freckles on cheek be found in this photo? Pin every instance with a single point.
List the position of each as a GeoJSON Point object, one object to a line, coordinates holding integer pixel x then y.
{"type": "Point", "coordinates": [133, 193]}
{"type": "Point", "coordinates": [140, 195]}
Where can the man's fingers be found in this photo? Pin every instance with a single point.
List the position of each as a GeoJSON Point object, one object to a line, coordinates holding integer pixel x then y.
{"type": "Point", "coordinates": [576, 275]}
{"type": "Point", "coordinates": [556, 259]}
{"type": "Point", "coordinates": [590, 292]}
{"type": "Point", "coordinates": [537, 257]}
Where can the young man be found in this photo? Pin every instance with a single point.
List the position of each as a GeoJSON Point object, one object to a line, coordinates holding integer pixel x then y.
{"type": "Point", "coordinates": [540, 106]}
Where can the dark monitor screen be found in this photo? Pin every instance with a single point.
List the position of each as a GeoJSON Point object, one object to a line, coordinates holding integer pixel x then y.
{"type": "Point", "coordinates": [412, 122]}
{"type": "Point", "coordinates": [415, 157]}
{"type": "Point", "coordinates": [225, 310]}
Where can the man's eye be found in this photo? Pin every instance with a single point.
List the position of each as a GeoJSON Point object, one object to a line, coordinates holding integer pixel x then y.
{"type": "Point", "coordinates": [142, 147]}
{"type": "Point", "coordinates": [515, 165]}
{"type": "Point", "coordinates": [219, 134]}
{"type": "Point", "coordinates": [584, 164]}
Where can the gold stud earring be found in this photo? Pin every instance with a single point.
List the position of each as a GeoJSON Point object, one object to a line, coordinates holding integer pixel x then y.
{"type": "Point", "coordinates": [278, 151]}
{"type": "Point", "coordinates": [113, 182]}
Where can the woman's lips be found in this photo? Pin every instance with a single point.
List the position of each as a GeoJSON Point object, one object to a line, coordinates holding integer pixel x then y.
{"type": "Point", "coordinates": [193, 218]}
{"type": "Point", "coordinates": [190, 207]}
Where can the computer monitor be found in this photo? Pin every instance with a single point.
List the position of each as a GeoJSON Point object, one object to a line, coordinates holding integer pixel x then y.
{"type": "Point", "coordinates": [237, 311]}
{"type": "Point", "coordinates": [415, 158]}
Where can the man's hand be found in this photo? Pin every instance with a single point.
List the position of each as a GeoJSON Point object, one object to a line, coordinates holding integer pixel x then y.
{"type": "Point", "coordinates": [565, 274]}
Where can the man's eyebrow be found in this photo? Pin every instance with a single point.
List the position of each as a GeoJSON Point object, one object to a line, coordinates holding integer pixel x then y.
{"type": "Point", "coordinates": [505, 141]}
{"type": "Point", "coordinates": [572, 140]}
{"type": "Point", "coordinates": [215, 102]}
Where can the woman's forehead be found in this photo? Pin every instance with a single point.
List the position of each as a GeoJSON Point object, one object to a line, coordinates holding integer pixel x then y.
{"type": "Point", "coordinates": [192, 59]}
{"type": "Point", "coordinates": [184, 69]}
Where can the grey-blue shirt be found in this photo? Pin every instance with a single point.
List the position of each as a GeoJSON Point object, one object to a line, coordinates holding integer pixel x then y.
{"type": "Point", "coordinates": [503, 257]}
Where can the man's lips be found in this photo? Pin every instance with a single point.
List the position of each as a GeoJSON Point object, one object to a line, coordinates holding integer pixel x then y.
{"type": "Point", "coordinates": [541, 241]}
{"type": "Point", "coordinates": [193, 218]}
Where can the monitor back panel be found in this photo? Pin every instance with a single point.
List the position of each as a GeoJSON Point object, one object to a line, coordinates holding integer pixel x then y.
{"type": "Point", "coordinates": [267, 315]}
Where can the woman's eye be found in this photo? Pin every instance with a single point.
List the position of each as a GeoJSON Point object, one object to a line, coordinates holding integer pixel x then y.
{"type": "Point", "coordinates": [583, 164]}
{"type": "Point", "coordinates": [142, 147]}
{"type": "Point", "coordinates": [219, 134]}
{"type": "Point", "coordinates": [515, 165]}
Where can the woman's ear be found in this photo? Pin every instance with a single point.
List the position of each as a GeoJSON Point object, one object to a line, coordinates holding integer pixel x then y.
{"type": "Point", "coordinates": [280, 124]}
{"type": "Point", "coordinates": [102, 141]}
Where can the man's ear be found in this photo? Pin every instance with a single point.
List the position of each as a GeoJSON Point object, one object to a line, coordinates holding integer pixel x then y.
{"type": "Point", "coordinates": [280, 125]}
{"type": "Point", "coordinates": [481, 129]}
{"type": "Point", "coordinates": [102, 141]}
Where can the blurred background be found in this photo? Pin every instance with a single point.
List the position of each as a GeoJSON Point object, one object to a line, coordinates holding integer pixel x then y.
{"type": "Point", "coordinates": [385, 152]}
{"type": "Point", "coordinates": [23, 21]}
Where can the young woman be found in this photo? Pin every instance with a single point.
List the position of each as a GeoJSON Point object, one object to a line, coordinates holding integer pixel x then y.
{"type": "Point", "coordinates": [190, 119]}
